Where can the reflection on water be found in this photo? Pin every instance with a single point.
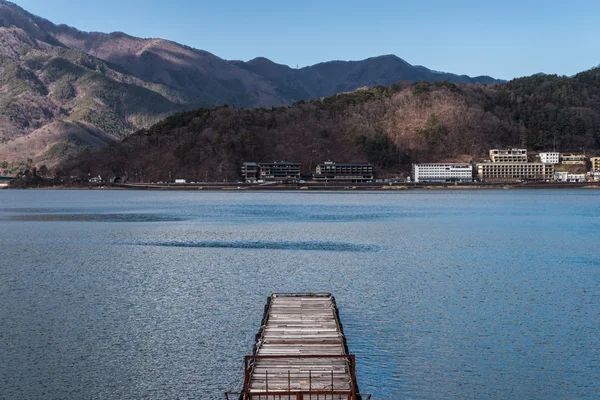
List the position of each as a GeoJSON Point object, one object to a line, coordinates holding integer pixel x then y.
{"type": "Point", "coordinates": [442, 295]}
{"type": "Point", "coordinates": [40, 210]}
{"type": "Point", "coordinates": [92, 217]}
{"type": "Point", "coordinates": [311, 246]}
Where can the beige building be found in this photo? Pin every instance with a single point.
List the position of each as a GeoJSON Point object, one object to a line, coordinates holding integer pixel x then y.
{"type": "Point", "coordinates": [595, 164]}
{"type": "Point", "coordinates": [573, 159]}
{"type": "Point", "coordinates": [515, 171]}
{"type": "Point", "coordinates": [509, 155]}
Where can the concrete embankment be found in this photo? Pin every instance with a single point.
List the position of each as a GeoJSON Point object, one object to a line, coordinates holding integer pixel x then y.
{"type": "Point", "coordinates": [360, 186]}
{"type": "Point", "coordinates": [308, 186]}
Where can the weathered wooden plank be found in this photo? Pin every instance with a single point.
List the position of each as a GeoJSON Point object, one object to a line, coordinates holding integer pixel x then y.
{"type": "Point", "coordinates": [301, 325]}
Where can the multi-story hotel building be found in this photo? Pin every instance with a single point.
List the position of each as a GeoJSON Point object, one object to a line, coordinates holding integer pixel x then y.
{"type": "Point", "coordinates": [509, 155]}
{"type": "Point", "coordinates": [550, 158]}
{"type": "Point", "coordinates": [250, 172]}
{"type": "Point", "coordinates": [330, 171]}
{"type": "Point", "coordinates": [573, 159]}
{"type": "Point", "coordinates": [515, 171]}
{"type": "Point", "coordinates": [449, 172]}
{"type": "Point", "coordinates": [595, 164]}
{"type": "Point", "coordinates": [279, 171]}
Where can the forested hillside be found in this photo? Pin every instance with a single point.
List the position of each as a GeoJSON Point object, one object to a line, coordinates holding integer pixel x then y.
{"type": "Point", "coordinates": [556, 110]}
{"type": "Point", "coordinates": [390, 127]}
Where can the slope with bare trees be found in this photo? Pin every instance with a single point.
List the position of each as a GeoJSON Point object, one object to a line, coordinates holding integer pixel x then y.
{"type": "Point", "coordinates": [390, 127]}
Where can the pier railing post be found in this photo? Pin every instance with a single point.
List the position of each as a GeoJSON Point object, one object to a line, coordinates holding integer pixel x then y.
{"type": "Point", "coordinates": [246, 394]}
{"type": "Point", "coordinates": [353, 375]}
{"type": "Point", "coordinates": [332, 389]}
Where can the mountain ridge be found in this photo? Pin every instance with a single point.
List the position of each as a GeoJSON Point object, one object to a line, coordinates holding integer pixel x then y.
{"type": "Point", "coordinates": [116, 83]}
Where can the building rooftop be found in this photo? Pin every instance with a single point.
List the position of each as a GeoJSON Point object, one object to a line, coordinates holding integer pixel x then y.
{"type": "Point", "coordinates": [344, 164]}
{"type": "Point", "coordinates": [280, 162]}
{"type": "Point", "coordinates": [513, 163]}
{"type": "Point", "coordinates": [443, 164]}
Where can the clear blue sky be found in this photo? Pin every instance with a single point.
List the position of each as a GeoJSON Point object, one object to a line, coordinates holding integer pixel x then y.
{"type": "Point", "coordinates": [504, 39]}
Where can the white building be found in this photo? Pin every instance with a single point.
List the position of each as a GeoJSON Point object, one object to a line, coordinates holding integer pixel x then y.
{"type": "Point", "coordinates": [449, 172]}
{"type": "Point", "coordinates": [508, 155]}
{"type": "Point", "coordinates": [180, 181]}
{"type": "Point", "coordinates": [568, 177]}
{"type": "Point", "coordinates": [550, 158]}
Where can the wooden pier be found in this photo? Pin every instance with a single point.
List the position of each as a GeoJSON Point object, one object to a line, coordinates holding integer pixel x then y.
{"type": "Point", "coordinates": [300, 352]}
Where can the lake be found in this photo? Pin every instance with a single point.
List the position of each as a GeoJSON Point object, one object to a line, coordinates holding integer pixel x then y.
{"type": "Point", "coordinates": [158, 295]}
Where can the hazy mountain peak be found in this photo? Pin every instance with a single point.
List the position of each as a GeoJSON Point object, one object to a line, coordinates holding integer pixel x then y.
{"type": "Point", "coordinates": [390, 57]}
{"type": "Point", "coordinates": [258, 60]}
{"type": "Point", "coordinates": [11, 15]}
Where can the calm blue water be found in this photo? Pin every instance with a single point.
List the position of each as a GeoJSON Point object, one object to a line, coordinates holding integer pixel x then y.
{"type": "Point", "coordinates": [445, 294]}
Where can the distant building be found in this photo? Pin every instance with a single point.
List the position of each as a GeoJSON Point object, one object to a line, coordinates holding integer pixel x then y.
{"type": "Point", "coordinates": [568, 177]}
{"type": "Point", "coordinates": [180, 181]}
{"type": "Point", "coordinates": [596, 176]}
{"type": "Point", "coordinates": [595, 164]}
{"type": "Point", "coordinates": [573, 159]}
{"type": "Point", "coordinates": [550, 158]}
{"type": "Point", "coordinates": [279, 171]}
{"type": "Point", "coordinates": [330, 171]}
{"type": "Point", "coordinates": [509, 155]}
{"type": "Point", "coordinates": [515, 171]}
{"type": "Point", "coordinates": [442, 172]}
{"type": "Point", "coordinates": [250, 172]}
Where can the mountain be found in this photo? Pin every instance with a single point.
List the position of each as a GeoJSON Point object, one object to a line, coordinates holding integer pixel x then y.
{"type": "Point", "coordinates": [389, 126]}
{"type": "Point", "coordinates": [55, 100]}
{"type": "Point", "coordinates": [326, 79]}
{"type": "Point", "coordinates": [62, 90]}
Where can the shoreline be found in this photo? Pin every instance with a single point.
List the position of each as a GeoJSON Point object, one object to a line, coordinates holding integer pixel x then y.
{"type": "Point", "coordinates": [317, 187]}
